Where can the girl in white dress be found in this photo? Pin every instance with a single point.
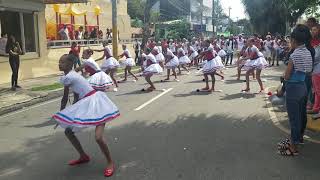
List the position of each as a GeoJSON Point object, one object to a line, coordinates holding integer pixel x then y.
{"type": "Point", "coordinates": [129, 63]}
{"type": "Point", "coordinates": [256, 62]}
{"type": "Point", "coordinates": [192, 54]}
{"type": "Point", "coordinates": [212, 64]}
{"type": "Point", "coordinates": [109, 64]}
{"type": "Point", "coordinates": [152, 67]}
{"type": "Point", "coordinates": [90, 109]}
{"type": "Point", "coordinates": [172, 62]}
{"type": "Point", "coordinates": [183, 59]}
{"type": "Point", "coordinates": [159, 56]}
{"type": "Point", "coordinates": [98, 79]}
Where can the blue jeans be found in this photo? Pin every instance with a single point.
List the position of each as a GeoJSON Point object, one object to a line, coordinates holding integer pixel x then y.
{"type": "Point", "coordinates": [296, 97]}
{"type": "Point", "coordinates": [308, 81]}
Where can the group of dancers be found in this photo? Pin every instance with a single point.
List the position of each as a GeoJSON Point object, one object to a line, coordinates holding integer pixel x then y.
{"type": "Point", "coordinates": [92, 107]}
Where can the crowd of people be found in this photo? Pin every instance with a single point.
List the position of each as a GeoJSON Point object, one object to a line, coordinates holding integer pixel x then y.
{"type": "Point", "coordinates": [300, 52]}
{"type": "Point", "coordinates": [82, 34]}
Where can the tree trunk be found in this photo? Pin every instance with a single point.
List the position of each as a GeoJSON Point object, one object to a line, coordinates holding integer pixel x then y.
{"type": "Point", "coordinates": [146, 28]}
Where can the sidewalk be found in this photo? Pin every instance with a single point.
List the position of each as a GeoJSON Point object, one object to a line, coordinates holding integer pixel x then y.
{"type": "Point", "coordinates": [33, 91]}
{"type": "Point", "coordinates": [313, 126]}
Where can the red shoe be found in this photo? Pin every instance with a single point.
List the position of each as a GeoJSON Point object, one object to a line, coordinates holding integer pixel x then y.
{"type": "Point", "coordinates": [108, 172]}
{"type": "Point", "coordinates": [81, 160]}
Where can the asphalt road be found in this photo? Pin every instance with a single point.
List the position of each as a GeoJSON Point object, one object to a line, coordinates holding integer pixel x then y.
{"type": "Point", "coordinates": [182, 134]}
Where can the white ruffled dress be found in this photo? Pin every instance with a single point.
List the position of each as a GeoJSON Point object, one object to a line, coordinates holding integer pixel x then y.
{"type": "Point", "coordinates": [110, 63]}
{"type": "Point", "coordinates": [259, 63]}
{"type": "Point", "coordinates": [154, 68]}
{"type": "Point", "coordinates": [94, 107]}
{"type": "Point", "coordinates": [212, 65]}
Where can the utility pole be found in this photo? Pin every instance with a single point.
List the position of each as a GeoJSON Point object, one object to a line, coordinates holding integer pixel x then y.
{"type": "Point", "coordinates": [201, 21]}
{"type": "Point", "coordinates": [213, 16]}
{"type": "Point", "coordinates": [114, 29]}
{"type": "Point", "coordinates": [230, 17]}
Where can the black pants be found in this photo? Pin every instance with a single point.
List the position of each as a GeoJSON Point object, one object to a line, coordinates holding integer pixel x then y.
{"type": "Point", "coordinates": [137, 56]}
{"type": "Point", "coordinates": [14, 64]}
{"type": "Point", "coordinates": [229, 55]}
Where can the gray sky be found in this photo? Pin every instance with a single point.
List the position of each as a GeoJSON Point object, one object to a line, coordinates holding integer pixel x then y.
{"type": "Point", "coordinates": [237, 8]}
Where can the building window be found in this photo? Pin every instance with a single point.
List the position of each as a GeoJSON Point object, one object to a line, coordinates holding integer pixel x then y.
{"type": "Point", "coordinates": [10, 24]}
{"type": "Point", "coordinates": [22, 26]}
{"type": "Point", "coordinates": [29, 32]}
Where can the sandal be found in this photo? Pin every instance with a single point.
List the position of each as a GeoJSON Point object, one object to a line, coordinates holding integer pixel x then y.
{"type": "Point", "coordinates": [288, 152]}
{"type": "Point", "coordinates": [108, 172]}
{"type": "Point", "coordinates": [81, 160]}
{"type": "Point", "coordinates": [283, 145]}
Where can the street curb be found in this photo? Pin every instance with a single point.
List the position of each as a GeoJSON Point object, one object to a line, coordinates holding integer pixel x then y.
{"type": "Point", "coordinates": [276, 122]}
{"type": "Point", "coordinates": [39, 99]}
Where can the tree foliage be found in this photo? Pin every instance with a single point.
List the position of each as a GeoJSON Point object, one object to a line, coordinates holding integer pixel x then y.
{"type": "Point", "coordinates": [179, 30]}
{"type": "Point", "coordinates": [136, 9]}
{"type": "Point", "coordinates": [273, 15]}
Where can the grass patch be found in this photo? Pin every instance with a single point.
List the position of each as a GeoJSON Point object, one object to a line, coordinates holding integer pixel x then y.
{"type": "Point", "coordinates": [47, 87]}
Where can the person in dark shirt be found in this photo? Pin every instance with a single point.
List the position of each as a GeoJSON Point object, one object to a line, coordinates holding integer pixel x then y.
{"type": "Point", "coordinates": [14, 50]}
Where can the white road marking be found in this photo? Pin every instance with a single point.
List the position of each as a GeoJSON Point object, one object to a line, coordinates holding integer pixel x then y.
{"type": "Point", "coordinates": [29, 108]}
{"type": "Point", "coordinates": [153, 99]}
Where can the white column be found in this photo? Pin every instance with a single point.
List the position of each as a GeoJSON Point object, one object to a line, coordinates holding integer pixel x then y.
{"type": "Point", "coordinates": [23, 39]}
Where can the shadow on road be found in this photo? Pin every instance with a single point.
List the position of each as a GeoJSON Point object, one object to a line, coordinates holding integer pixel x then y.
{"type": "Point", "coordinates": [238, 96]}
{"type": "Point", "coordinates": [194, 147]}
{"type": "Point", "coordinates": [44, 124]}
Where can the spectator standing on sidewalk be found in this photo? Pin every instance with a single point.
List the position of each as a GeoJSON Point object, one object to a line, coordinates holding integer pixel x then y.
{"type": "Point", "coordinates": [137, 49]}
{"type": "Point", "coordinates": [64, 33]}
{"type": "Point", "coordinates": [75, 51]}
{"type": "Point", "coordinates": [79, 33]}
{"type": "Point", "coordinates": [230, 46]}
{"type": "Point", "coordinates": [299, 65]}
{"type": "Point", "coordinates": [108, 33]}
{"type": "Point", "coordinates": [94, 34]}
{"type": "Point", "coordinates": [14, 50]}
{"type": "Point", "coordinates": [3, 43]}
{"type": "Point", "coordinates": [311, 22]}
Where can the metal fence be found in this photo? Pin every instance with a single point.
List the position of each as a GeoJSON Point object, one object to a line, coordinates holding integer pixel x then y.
{"type": "Point", "coordinates": [54, 44]}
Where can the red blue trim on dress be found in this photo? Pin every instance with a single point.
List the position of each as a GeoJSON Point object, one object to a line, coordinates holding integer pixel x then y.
{"type": "Point", "coordinates": [65, 119]}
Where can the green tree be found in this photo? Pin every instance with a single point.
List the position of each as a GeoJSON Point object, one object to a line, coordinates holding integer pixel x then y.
{"type": "Point", "coordinates": [136, 9]}
{"type": "Point", "coordinates": [147, 17]}
{"type": "Point", "coordinates": [273, 15]}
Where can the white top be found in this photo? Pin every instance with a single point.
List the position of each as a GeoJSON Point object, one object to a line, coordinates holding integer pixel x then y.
{"type": "Point", "coordinates": [240, 44]}
{"type": "Point", "coordinates": [77, 83]}
{"type": "Point", "coordinates": [80, 35]}
{"type": "Point", "coordinates": [160, 49]}
{"type": "Point", "coordinates": [170, 53]}
{"type": "Point", "coordinates": [172, 47]}
{"type": "Point", "coordinates": [127, 52]}
{"type": "Point", "coordinates": [92, 63]}
{"type": "Point", "coordinates": [3, 43]}
{"type": "Point", "coordinates": [268, 44]}
{"type": "Point", "coordinates": [192, 49]}
{"type": "Point", "coordinates": [156, 49]}
{"type": "Point", "coordinates": [180, 50]}
{"type": "Point", "coordinates": [107, 50]}
{"type": "Point", "coordinates": [151, 57]}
